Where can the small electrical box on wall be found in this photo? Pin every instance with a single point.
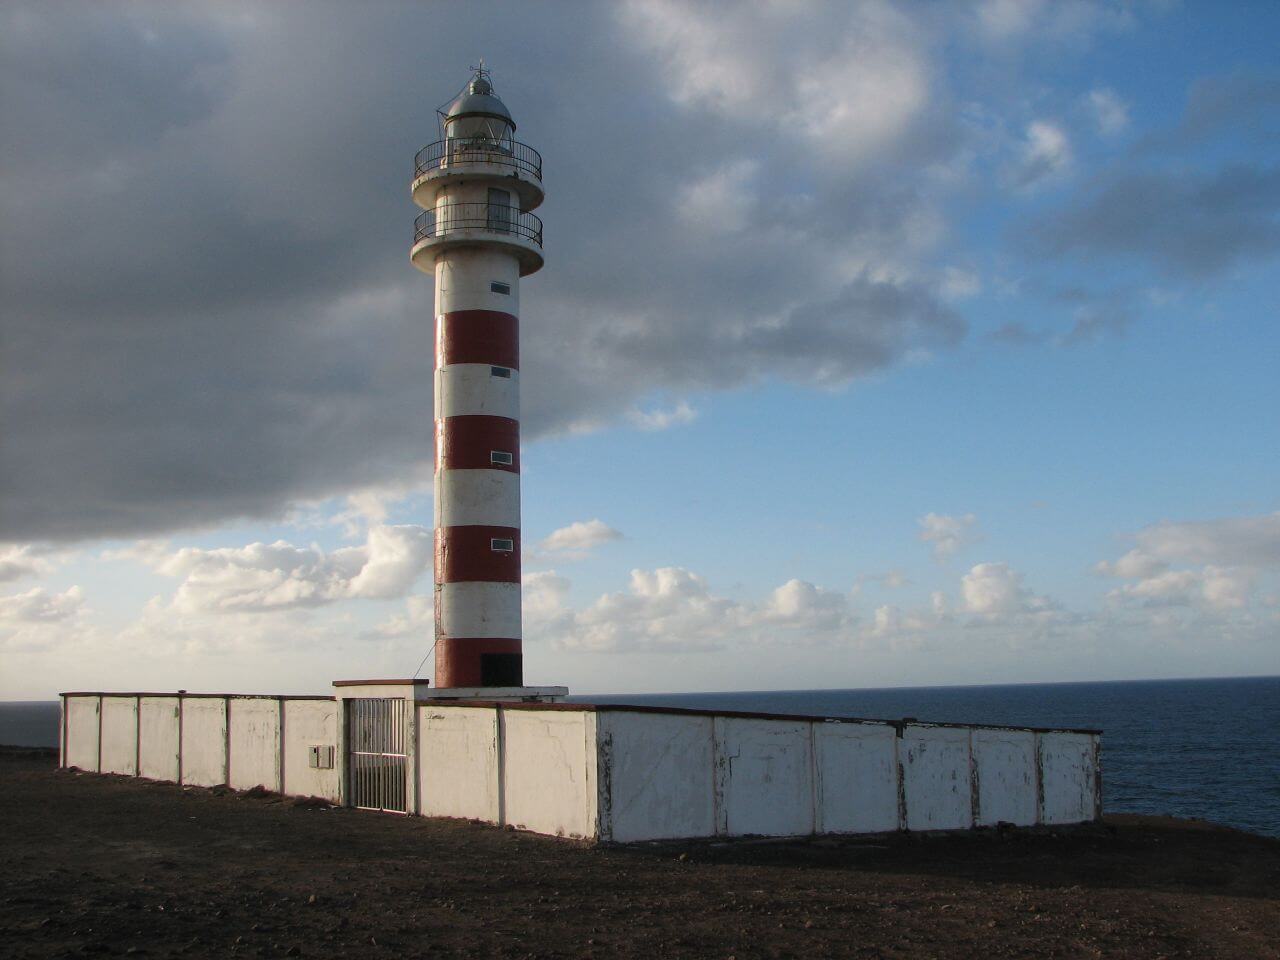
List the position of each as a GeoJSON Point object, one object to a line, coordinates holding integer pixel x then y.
{"type": "Point", "coordinates": [320, 757]}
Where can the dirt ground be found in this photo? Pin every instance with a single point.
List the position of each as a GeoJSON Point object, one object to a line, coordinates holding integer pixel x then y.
{"type": "Point", "coordinates": [104, 865]}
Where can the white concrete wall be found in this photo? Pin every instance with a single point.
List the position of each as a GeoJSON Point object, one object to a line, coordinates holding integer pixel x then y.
{"type": "Point", "coordinates": [158, 738]}
{"type": "Point", "coordinates": [857, 767]}
{"type": "Point", "coordinates": [81, 732]}
{"type": "Point", "coordinates": [310, 723]}
{"type": "Point", "coordinates": [764, 774]}
{"type": "Point", "coordinates": [935, 777]}
{"type": "Point", "coordinates": [1004, 764]}
{"type": "Point", "coordinates": [255, 743]}
{"type": "Point", "coordinates": [656, 776]}
{"type": "Point", "coordinates": [1068, 768]}
{"type": "Point", "coordinates": [120, 735]}
{"type": "Point", "coordinates": [549, 771]}
{"type": "Point", "coordinates": [458, 774]}
{"type": "Point", "coordinates": [204, 741]}
{"type": "Point", "coordinates": [616, 774]}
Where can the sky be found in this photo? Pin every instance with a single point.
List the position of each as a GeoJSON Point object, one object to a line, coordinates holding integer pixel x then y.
{"type": "Point", "coordinates": [878, 344]}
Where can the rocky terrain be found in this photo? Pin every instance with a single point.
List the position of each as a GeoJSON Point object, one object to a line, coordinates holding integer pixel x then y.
{"type": "Point", "coordinates": [96, 865]}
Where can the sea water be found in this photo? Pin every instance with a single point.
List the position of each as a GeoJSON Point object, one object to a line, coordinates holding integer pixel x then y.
{"type": "Point", "coordinates": [1208, 749]}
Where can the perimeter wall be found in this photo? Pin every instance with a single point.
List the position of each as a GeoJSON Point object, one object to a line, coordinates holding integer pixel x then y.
{"type": "Point", "coordinates": [624, 775]}
{"type": "Point", "coordinates": [613, 773]}
{"type": "Point", "coordinates": [206, 739]}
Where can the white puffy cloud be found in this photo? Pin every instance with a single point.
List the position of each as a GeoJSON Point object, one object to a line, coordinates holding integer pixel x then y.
{"type": "Point", "coordinates": [674, 608]}
{"type": "Point", "coordinates": [800, 604]}
{"type": "Point", "coordinates": [1134, 564]}
{"type": "Point", "coordinates": [1044, 154]}
{"type": "Point", "coordinates": [578, 539]}
{"type": "Point", "coordinates": [1213, 565]}
{"type": "Point", "coordinates": [1252, 541]}
{"type": "Point", "coordinates": [40, 620]}
{"type": "Point", "coordinates": [263, 577]}
{"type": "Point", "coordinates": [22, 560]}
{"type": "Point", "coordinates": [948, 534]}
{"type": "Point", "coordinates": [1217, 588]}
{"type": "Point", "coordinates": [417, 620]}
{"type": "Point", "coordinates": [39, 606]}
{"type": "Point", "coordinates": [851, 79]}
{"type": "Point", "coordinates": [996, 590]}
{"type": "Point", "coordinates": [395, 556]}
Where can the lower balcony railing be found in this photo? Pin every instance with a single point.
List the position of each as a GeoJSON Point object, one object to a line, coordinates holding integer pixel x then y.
{"type": "Point", "coordinates": [492, 217]}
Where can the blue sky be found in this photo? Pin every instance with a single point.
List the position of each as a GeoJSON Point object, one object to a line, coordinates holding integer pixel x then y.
{"type": "Point", "coordinates": [877, 343]}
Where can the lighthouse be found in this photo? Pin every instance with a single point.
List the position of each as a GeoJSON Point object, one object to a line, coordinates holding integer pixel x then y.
{"type": "Point", "coordinates": [477, 237]}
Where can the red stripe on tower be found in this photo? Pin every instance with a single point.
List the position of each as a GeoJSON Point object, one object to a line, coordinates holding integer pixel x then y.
{"type": "Point", "coordinates": [488, 554]}
{"type": "Point", "coordinates": [478, 336]}
{"type": "Point", "coordinates": [478, 443]}
{"type": "Point", "coordinates": [461, 659]}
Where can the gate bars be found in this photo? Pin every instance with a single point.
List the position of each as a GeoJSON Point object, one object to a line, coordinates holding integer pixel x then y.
{"type": "Point", "coordinates": [376, 734]}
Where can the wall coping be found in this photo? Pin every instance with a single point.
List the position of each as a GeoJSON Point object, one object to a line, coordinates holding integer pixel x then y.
{"type": "Point", "coordinates": [899, 724]}
{"type": "Point", "coordinates": [193, 696]}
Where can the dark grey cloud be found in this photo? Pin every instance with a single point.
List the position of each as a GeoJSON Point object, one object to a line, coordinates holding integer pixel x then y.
{"type": "Point", "coordinates": [1183, 199]}
{"type": "Point", "coordinates": [1187, 223]}
{"type": "Point", "coordinates": [1241, 105]}
{"type": "Point", "coordinates": [204, 226]}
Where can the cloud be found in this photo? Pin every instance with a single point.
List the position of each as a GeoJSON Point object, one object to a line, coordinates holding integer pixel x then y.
{"type": "Point", "coordinates": [672, 608]}
{"type": "Point", "coordinates": [246, 347]}
{"type": "Point", "coordinates": [1014, 22]}
{"type": "Point", "coordinates": [1134, 564]}
{"type": "Point", "coordinates": [262, 577]}
{"type": "Point", "coordinates": [958, 284]}
{"type": "Point", "coordinates": [579, 538]}
{"type": "Point", "coordinates": [39, 606]}
{"type": "Point", "coordinates": [1220, 588]}
{"type": "Point", "coordinates": [1110, 113]}
{"type": "Point", "coordinates": [1045, 154]}
{"type": "Point", "coordinates": [1186, 223]}
{"type": "Point", "coordinates": [22, 560]}
{"type": "Point", "coordinates": [658, 419]}
{"type": "Point", "coordinates": [948, 534]}
{"type": "Point", "coordinates": [1253, 541]}
{"type": "Point", "coordinates": [850, 79]}
{"type": "Point", "coordinates": [417, 621]}
{"type": "Point", "coordinates": [1219, 563]}
{"type": "Point", "coordinates": [1242, 103]}
{"type": "Point", "coordinates": [992, 588]}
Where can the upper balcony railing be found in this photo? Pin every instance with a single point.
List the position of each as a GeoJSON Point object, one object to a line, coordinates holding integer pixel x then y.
{"type": "Point", "coordinates": [445, 153]}
{"type": "Point", "coordinates": [493, 217]}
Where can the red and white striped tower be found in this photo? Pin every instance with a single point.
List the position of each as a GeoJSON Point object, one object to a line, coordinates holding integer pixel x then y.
{"type": "Point", "coordinates": [478, 238]}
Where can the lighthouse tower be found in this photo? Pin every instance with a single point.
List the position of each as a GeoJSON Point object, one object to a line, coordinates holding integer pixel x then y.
{"type": "Point", "coordinates": [477, 238]}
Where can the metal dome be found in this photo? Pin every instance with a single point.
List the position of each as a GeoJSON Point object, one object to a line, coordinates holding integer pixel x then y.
{"type": "Point", "coordinates": [479, 100]}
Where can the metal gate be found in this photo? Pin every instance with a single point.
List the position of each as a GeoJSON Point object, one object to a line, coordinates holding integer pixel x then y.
{"type": "Point", "coordinates": [376, 737]}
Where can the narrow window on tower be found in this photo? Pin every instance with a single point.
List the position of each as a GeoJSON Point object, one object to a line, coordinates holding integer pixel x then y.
{"type": "Point", "coordinates": [497, 287]}
{"type": "Point", "coordinates": [503, 372]}
{"type": "Point", "coordinates": [502, 457]}
{"type": "Point", "coordinates": [501, 215]}
{"type": "Point", "coordinates": [502, 545]}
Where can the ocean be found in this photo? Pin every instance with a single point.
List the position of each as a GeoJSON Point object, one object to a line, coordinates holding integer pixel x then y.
{"type": "Point", "coordinates": [1208, 749]}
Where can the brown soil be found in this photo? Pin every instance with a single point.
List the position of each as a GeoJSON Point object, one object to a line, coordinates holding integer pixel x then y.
{"type": "Point", "coordinates": [111, 865]}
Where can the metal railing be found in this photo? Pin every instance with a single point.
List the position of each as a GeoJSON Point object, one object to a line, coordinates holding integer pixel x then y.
{"type": "Point", "coordinates": [510, 153]}
{"type": "Point", "coordinates": [494, 217]}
